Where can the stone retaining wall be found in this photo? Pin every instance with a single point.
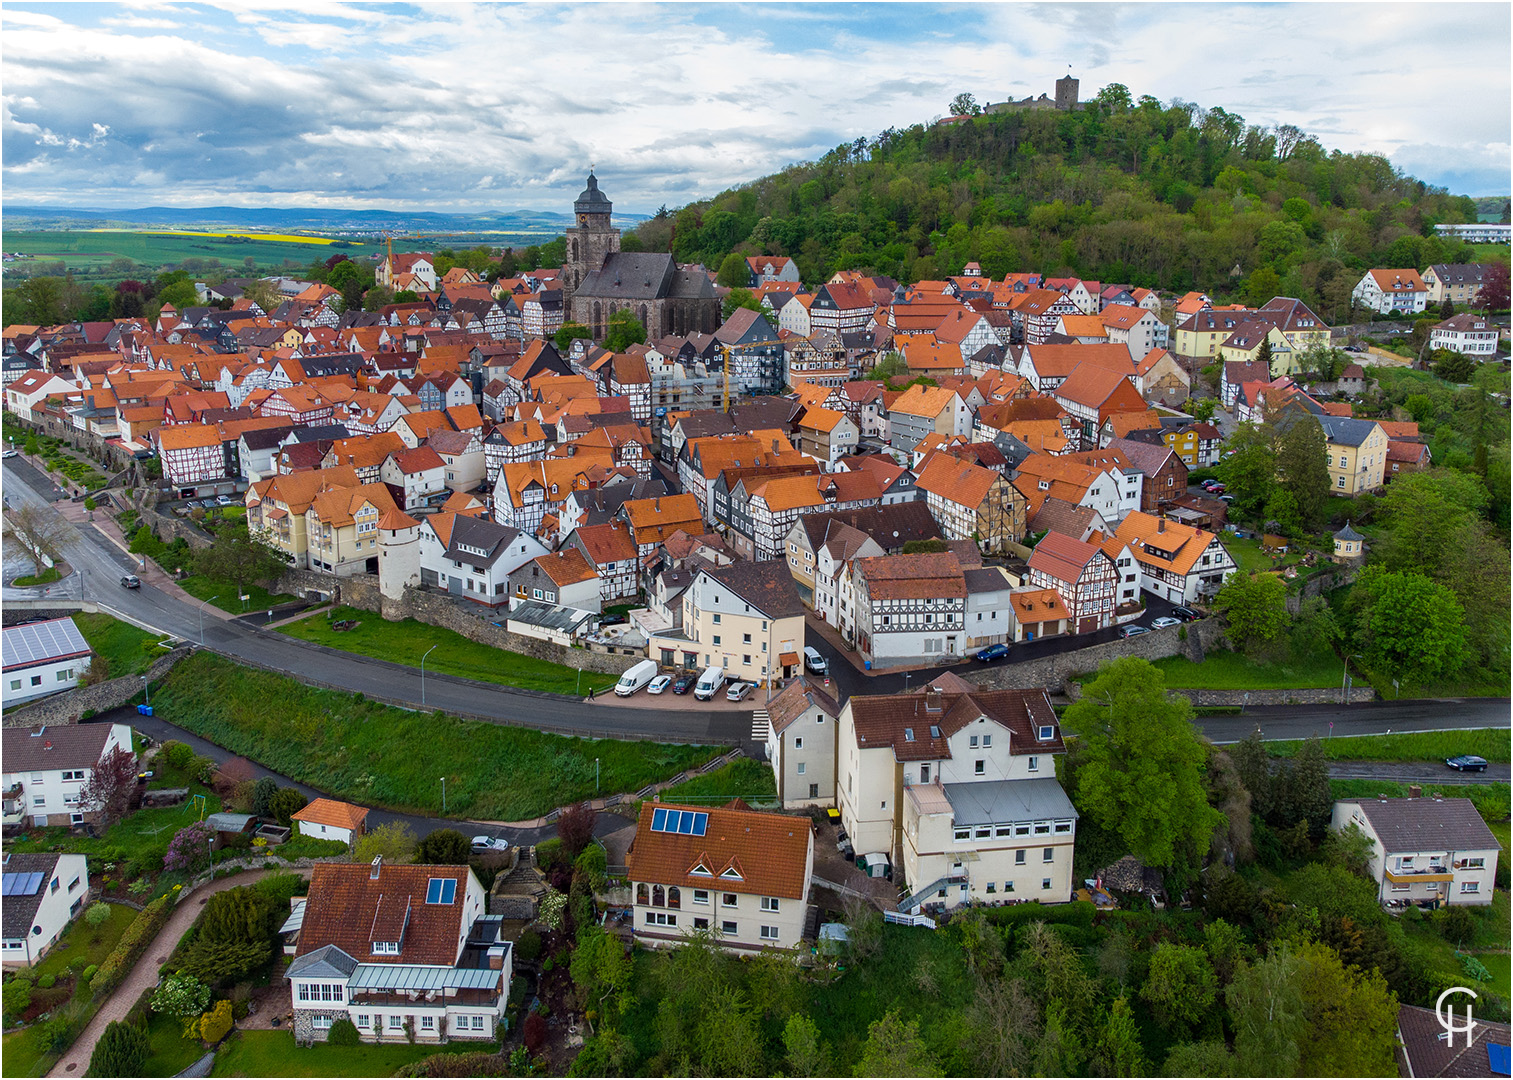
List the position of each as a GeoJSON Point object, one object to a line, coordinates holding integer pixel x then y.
{"type": "Point", "coordinates": [1317, 696]}
{"type": "Point", "coordinates": [1054, 672]}
{"type": "Point", "coordinates": [437, 609]}
{"type": "Point", "coordinates": [170, 528]}
{"type": "Point", "coordinates": [69, 706]}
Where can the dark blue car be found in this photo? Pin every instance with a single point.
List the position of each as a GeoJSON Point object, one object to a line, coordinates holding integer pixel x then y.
{"type": "Point", "coordinates": [993, 652]}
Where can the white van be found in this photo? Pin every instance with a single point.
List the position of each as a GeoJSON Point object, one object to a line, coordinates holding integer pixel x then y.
{"type": "Point", "coordinates": [709, 683]}
{"type": "Point", "coordinates": [814, 661]}
{"type": "Point", "coordinates": [636, 678]}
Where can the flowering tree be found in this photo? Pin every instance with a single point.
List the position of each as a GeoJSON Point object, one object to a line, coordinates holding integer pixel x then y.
{"type": "Point", "coordinates": [190, 848]}
{"type": "Point", "coordinates": [182, 996]}
{"type": "Point", "coordinates": [110, 785]}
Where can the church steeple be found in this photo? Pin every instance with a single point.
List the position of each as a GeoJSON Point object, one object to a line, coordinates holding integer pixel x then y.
{"type": "Point", "coordinates": [593, 202]}
{"type": "Point", "coordinates": [590, 240]}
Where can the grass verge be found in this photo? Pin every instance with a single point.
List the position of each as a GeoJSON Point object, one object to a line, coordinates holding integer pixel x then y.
{"type": "Point", "coordinates": [356, 749]}
{"type": "Point", "coordinates": [273, 1053]}
{"type": "Point", "coordinates": [126, 650]}
{"type": "Point", "coordinates": [1490, 743]}
{"type": "Point", "coordinates": [169, 1052]}
{"type": "Point", "coordinates": [47, 577]}
{"type": "Point", "coordinates": [225, 593]}
{"type": "Point", "coordinates": [741, 779]}
{"type": "Point", "coordinates": [408, 641]}
{"type": "Point", "coordinates": [1222, 670]}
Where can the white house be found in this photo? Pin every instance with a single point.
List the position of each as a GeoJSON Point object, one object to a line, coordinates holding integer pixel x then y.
{"type": "Point", "coordinates": [801, 726]}
{"type": "Point", "coordinates": [738, 874]}
{"type": "Point", "coordinates": [1425, 849]}
{"type": "Point", "coordinates": [1471, 334]}
{"type": "Point", "coordinates": [46, 769]}
{"type": "Point", "coordinates": [42, 658]}
{"type": "Point", "coordinates": [328, 819]}
{"type": "Point", "coordinates": [909, 608]}
{"type": "Point", "coordinates": [43, 892]}
{"type": "Point", "coordinates": [472, 557]}
{"type": "Point", "coordinates": [404, 952]}
{"type": "Point", "coordinates": [1391, 290]}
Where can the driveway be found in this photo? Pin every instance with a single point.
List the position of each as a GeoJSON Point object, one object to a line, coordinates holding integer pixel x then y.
{"type": "Point", "coordinates": [144, 976]}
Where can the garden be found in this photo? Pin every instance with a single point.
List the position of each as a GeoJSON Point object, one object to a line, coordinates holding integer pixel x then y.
{"type": "Point", "coordinates": [356, 749]}
{"type": "Point", "coordinates": [408, 641]}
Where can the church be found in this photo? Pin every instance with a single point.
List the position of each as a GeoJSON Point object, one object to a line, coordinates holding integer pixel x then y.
{"type": "Point", "coordinates": [599, 279]}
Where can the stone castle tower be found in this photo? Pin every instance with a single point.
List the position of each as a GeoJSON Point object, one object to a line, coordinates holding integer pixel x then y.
{"type": "Point", "coordinates": [398, 554]}
{"type": "Point", "coordinates": [1066, 94]}
{"type": "Point", "coordinates": [590, 240]}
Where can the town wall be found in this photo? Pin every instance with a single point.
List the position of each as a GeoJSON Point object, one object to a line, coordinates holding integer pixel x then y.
{"type": "Point", "coordinates": [437, 609]}
{"type": "Point", "coordinates": [1054, 672]}
{"type": "Point", "coordinates": [69, 706]}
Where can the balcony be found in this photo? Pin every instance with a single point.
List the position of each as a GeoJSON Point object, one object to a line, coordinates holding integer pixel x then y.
{"type": "Point", "coordinates": [427, 998]}
{"type": "Point", "coordinates": [1411, 875]}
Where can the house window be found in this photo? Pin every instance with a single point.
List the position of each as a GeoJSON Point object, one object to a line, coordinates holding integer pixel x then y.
{"type": "Point", "coordinates": [1019, 857]}
{"type": "Point", "coordinates": [701, 896]}
{"type": "Point", "coordinates": [1048, 855]}
{"type": "Point", "coordinates": [987, 740]}
{"type": "Point", "coordinates": [801, 768]}
{"type": "Point", "coordinates": [1063, 826]}
{"type": "Point", "coordinates": [396, 1023]}
{"type": "Point", "coordinates": [74, 884]}
{"type": "Point", "coordinates": [746, 639]}
{"type": "Point", "coordinates": [701, 924]}
{"type": "Point", "coordinates": [962, 834]}
{"type": "Point", "coordinates": [427, 1023]}
{"type": "Point", "coordinates": [729, 899]}
{"type": "Point", "coordinates": [1034, 763]}
{"type": "Point", "coordinates": [728, 927]}
{"type": "Point", "coordinates": [972, 742]}
{"type": "Point", "coordinates": [1470, 886]}
{"type": "Point", "coordinates": [798, 743]}
{"type": "Point", "coordinates": [979, 768]}
{"type": "Point", "coordinates": [1045, 884]}
{"type": "Point", "coordinates": [320, 1021]}
{"type": "Point", "coordinates": [924, 774]}
{"type": "Point", "coordinates": [661, 918]}
{"type": "Point", "coordinates": [769, 933]}
{"type": "Point", "coordinates": [361, 1020]}
{"type": "Point", "coordinates": [716, 616]}
{"type": "Point", "coordinates": [770, 903]}
{"type": "Point", "coordinates": [717, 639]}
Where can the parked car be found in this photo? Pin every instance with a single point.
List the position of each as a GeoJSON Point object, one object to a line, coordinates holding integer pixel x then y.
{"type": "Point", "coordinates": [223, 500]}
{"type": "Point", "coordinates": [1217, 489]}
{"type": "Point", "coordinates": [683, 683]}
{"type": "Point", "coordinates": [993, 652]}
{"type": "Point", "coordinates": [814, 661]}
{"type": "Point", "coordinates": [131, 581]}
{"type": "Point", "coordinates": [660, 683]}
{"type": "Point", "coordinates": [1164, 621]}
{"type": "Point", "coordinates": [611, 620]}
{"type": "Point", "coordinates": [1226, 498]}
{"type": "Point", "coordinates": [11, 454]}
{"type": "Point", "coordinates": [485, 844]}
{"type": "Point", "coordinates": [1131, 631]}
{"type": "Point", "coordinates": [1185, 614]}
{"type": "Point", "coordinates": [1467, 763]}
{"type": "Point", "coordinates": [1208, 484]}
{"type": "Point", "coordinates": [739, 691]}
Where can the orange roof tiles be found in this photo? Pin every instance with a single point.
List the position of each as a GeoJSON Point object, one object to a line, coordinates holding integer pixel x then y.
{"type": "Point", "coordinates": [330, 812]}
{"type": "Point", "coordinates": [769, 853]}
{"type": "Point", "coordinates": [351, 909]}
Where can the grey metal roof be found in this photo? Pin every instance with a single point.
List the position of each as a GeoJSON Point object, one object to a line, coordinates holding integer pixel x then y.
{"type": "Point", "coordinates": [1008, 800]}
{"type": "Point", "coordinates": [42, 642]}
{"type": "Point", "coordinates": [1347, 533]}
{"type": "Point", "coordinates": [1432, 824]}
{"type": "Point", "coordinates": [1346, 430]}
{"type": "Point", "coordinates": [295, 920]}
{"type": "Point", "coordinates": [483, 534]}
{"type": "Point", "coordinates": [327, 962]}
{"type": "Point", "coordinates": [549, 616]}
{"type": "Point", "coordinates": [228, 822]}
{"type": "Point", "coordinates": [418, 977]}
{"type": "Point", "coordinates": [592, 200]}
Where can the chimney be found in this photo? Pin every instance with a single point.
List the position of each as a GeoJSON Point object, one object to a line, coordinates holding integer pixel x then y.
{"type": "Point", "coordinates": [1414, 791]}
{"type": "Point", "coordinates": [377, 865]}
{"type": "Point", "coordinates": [1160, 525]}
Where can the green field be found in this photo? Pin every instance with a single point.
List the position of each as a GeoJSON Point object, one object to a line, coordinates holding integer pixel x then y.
{"type": "Point", "coordinates": [1221, 670]}
{"type": "Point", "coordinates": [741, 779]}
{"type": "Point", "coordinates": [357, 749]}
{"type": "Point", "coordinates": [93, 250]}
{"type": "Point", "coordinates": [406, 642]}
{"type": "Point", "coordinates": [1490, 743]}
{"type": "Point", "coordinates": [1490, 800]}
{"type": "Point", "coordinates": [126, 649]}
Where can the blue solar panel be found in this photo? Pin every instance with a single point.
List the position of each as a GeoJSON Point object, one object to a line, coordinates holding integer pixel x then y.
{"type": "Point", "coordinates": [685, 822]}
{"type": "Point", "coordinates": [700, 823]}
{"type": "Point", "coordinates": [658, 820]}
{"type": "Point", "coordinates": [1498, 1059]}
{"type": "Point", "coordinates": [448, 891]}
{"type": "Point", "coordinates": [22, 884]}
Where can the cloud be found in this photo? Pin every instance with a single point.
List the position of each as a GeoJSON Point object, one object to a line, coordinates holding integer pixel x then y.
{"type": "Point", "coordinates": [485, 106]}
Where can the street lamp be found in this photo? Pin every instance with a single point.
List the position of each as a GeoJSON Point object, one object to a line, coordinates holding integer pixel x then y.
{"type": "Point", "coordinates": [202, 617]}
{"type": "Point", "coordinates": [443, 794]}
{"type": "Point", "coordinates": [596, 776]}
{"type": "Point", "coordinates": [423, 673]}
{"type": "Point", "coordinates": [146, 700]}
{"type": "Point", "coordinates": [1345, 675]}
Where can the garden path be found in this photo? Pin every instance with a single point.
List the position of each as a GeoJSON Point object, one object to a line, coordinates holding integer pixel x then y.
{"type": "Point", "coordinates": [144, 976]}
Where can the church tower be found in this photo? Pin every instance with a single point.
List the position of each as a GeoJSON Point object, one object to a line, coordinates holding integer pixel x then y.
{"type": "Point", "coordinates": [591, 238]}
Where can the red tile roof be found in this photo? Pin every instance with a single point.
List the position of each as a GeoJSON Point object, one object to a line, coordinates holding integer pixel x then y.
{"type": "Point", "coordinates": [351, 909]}
{"type": "Point", "coordinates": [769, 852]}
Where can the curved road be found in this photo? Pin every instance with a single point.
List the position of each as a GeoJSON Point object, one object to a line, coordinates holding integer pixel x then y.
{"type": "Point", "coordinates": [103, 564]}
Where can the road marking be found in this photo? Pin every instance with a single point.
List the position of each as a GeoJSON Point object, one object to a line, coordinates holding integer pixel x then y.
{"type": "Point", "coordinates": [761, 725]}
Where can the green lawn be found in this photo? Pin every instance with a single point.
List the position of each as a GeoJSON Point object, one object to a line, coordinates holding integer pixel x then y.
{"type": "Point", "coordinates": [1491, 800]}
{"type": "Point", "coordinates": [47, 577]}
{"type": "Point", "coordinates": [171, 1053]}
{"type": "Point", "coordinates": [273, 1053]}
{"type": "Point", "coordinates": [1222, 670]}
{"type": "Point", "coordinates": [1498, 963]}
{"type": "Point", "coordinates": [741, 779]}
{"type": "Point", "coordinates": [127, 650]}
{"type": "Point", "coordinates": [1248, 555]}
{"type": "Point", "coordinates": [1489, 743]}
{"type": "Point", "coordinates": [83, 942]}
{"type": "Point", "coordinates": [225, 593]}
{"type": "Point", "coordinates": [406, 642]}
{"type": "Point", "coordinates": [141, 838]}
{"type": "Point", "coordinates": [353, 748]}
{"type": "Point", "coordinates": [21, 1056]}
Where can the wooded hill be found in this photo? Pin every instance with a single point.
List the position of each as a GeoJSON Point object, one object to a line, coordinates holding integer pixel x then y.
{"type": "Point", "coordinates": [1174, 197]}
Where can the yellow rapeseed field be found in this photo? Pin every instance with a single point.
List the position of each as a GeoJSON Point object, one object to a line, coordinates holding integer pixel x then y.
{"type": "Point", "coordinates": [277, 237]}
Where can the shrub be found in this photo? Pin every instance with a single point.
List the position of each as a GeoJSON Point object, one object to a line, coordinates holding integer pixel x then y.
{"type": "Point", "coordinates": [216, 1023]}
{"type": "Point", "coordinates": [190, 847]}
{"type": "Point", "coordinates": [343, 1033]}
{"type": "Point", "coordinates": [47, 982]}
{"type": "Point", "coordinates": [1475, 968]}
{"type": "Point", "coordinates": [1456, 924]}
{"type": "Point", "coordinates": [575, 828]}
{"type": "Point", "coordinates": [181, 995]}
{"type": "Point", "coordinates": [136, 938]}
{"type": "Point", "coordinates": [549, 855]}
{"type": "Point", "coordinates": [529, 946]}
{"type": "Point", "coordinates": [121, 1051]}
{"type": "Point", "coordinates": [534, 1034]}
{"type": "Point", "coordinates": [97, 915]}
{"type": "Point", "coordinates": [17, 996]}
{"type": "Point", "coordinates": [285, 803]}
{"type": "Point", "coordinates": [592, 865]}
{"type": "Point", "coordinates": [443, 847]}
{"type": "Point", "coordinates": [177, 754]}
{"type": "Point", "coordinates": [89, 973]}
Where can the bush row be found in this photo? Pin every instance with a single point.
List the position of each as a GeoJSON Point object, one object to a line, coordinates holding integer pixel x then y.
{"type": "Point", "coordinates": [134, 941]}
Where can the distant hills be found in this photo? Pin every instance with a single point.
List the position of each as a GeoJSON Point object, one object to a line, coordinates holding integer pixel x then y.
{"type": "Point", "coordinates": [306, 219]}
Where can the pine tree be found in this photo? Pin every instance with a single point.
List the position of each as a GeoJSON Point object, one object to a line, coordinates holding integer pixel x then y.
{"type": "Point", "coordinates": [121, 1051]}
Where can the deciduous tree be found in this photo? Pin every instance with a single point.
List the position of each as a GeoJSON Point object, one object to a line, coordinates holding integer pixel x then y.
{"type": "Point", "coordinates": [1181, 986]}
{"type": "Point", "coordinates": [1139, 769]}
{"type": "Point", "coordinates": [1407, 625]}
{"type": "Point", "coordinates": [894, 1048]}
{"type": "Point", "coordinates": [443, 847]}
{"type": "Point", "coordinates": [240, 558]}
{"type": "Point", "coordinates": [394, 840]}
{"type": "Point", "coordinates": [1255, 606]}
{"type": "Point", "coordinates": [623, 330]}
{"type": "Point", "coordinates": [111, 785]}
{"type": "Point", "coordinates": [1303, 469]}
{"type": "Point", "coordinates": [39, 531]}
{"type": "Point", "coordinates": [733, 272]}
{"type": "Point", "coordinates": [568, 332]}
{"type": "Point", "coordinates": [964, 105]}
{"type": "Point", "coordinates": [805, 1053]}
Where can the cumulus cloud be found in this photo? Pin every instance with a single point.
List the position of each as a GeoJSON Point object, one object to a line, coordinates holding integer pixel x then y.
{"type": "Point", "coordinates": [496, 106]}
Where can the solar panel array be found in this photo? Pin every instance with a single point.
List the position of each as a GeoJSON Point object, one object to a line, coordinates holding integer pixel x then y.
{"type": "Point", "coordinates": [20, 884]}
{"type": "Point", "coordinates": [34, 643]}
{"type": "Point", "coordinates": [687, 822]}
{"type": "Point", "coordinates": [441, 890]}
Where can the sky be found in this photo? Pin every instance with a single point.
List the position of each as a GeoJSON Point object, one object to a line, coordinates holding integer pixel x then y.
{"type": "Point", "coordinates": [473, 107]}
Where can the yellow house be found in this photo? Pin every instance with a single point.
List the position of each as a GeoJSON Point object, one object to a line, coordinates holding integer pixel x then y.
{"type": "Point", "coordinates": [341, 528]}
{"type": "Point", "coordinates": [745, 618]}
{"type": "Point", "coordinates": [1357, 454]}
{"type": "Point", "coordinates": [1201, 333]}
{"type": "Point", "coordinates": [276, 506]}
{"type": "Point", "coordinates": [1245, 344]}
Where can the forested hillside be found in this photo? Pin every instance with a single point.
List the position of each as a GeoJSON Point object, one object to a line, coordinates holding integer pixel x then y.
{"type": "Point", "coordinates": [1162, 196]}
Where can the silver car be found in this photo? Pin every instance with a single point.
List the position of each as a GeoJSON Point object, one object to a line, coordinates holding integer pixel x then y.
{"type": "Point", "coordinates": [1164, 621]}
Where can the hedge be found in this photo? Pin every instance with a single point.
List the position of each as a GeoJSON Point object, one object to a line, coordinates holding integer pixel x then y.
{"type": "Point", "coordinates": [1079, 913]}
{"type": "Point", "coordinates": [133, 943]}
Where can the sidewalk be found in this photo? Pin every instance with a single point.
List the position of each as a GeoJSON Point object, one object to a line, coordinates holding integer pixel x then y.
{"type": "Point", "coordinates": [144, 976]}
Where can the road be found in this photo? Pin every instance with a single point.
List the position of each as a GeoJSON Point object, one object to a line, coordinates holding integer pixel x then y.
{"type": "Point", "coordinates": [1372, 718]}
{"type": "Point", "coordinates": [99, 565]}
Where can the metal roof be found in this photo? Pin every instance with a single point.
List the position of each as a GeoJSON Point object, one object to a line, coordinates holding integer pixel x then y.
{"type": "Point", "coordinates": [327, 962]}
{"type": "Point", "coordinates": [1008, 800]}
{"type": "Point", "coordinates": [41, 642]}
{"type": "Point", "coordinates": [415, 977]}
{"type": "Point", "coordinates": [549, 616]}
{"type": "Point", "coordinates": [295, 920]}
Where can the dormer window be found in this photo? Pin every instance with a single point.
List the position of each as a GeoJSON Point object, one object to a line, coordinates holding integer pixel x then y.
{"type": "Point", "coordinates": [386, 948]}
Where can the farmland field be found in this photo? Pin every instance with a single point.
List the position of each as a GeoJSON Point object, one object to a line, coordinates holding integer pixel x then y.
{"type": "Point", "coordinates": [94, 248]}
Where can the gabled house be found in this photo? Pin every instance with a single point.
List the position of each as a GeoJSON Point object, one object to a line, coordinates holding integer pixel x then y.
{"type": "Point", "coordinates": [1424, 849]}
{"type": "Point", "coordinates": [1091, 394]}
{"type": "Point", "coordinates": [1473, 335]}
{"type": "Point", "coordinates": [1177, 562]}
{"type": "Point", "coordinates": [563, 578]}
{"type": "Point", "coordinates": [802, 723]}
{"type": "Point", "coordinates": [973, 503]}
{"type": "Point", "coordinates": [745, 618]}
{"type": "Point", "coordinates": [43, 893]}
{"type": "Point", "coordinates": [729, 871]}
{"type": "Point", "coordinates": [406, 953]}
{"type": "Point", "coordinates": [1386, 291]}
{"type": "Point", "coordinates": [341, 528]}
{"type": "Point", "coordinates": [46, 768]}
{"type": "Point", "coordinates": [909, 607]}
{"type": "Point", "coordinates": [1460, 283]}
{"type": "Point", "coordinates": [611, 550]}
{"type": "Point", "coordinates": [419, 474]}
{"type": "Point", "coordinates": [472, 557]}
{"type": "Point", "coordinates": [1082, 575]}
